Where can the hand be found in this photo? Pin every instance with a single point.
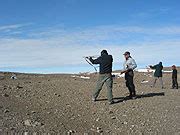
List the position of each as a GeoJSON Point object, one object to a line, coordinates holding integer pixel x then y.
{"type": "Point", "coordinates": [150, 66]}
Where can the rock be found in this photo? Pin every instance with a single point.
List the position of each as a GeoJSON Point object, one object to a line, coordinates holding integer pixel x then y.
{"type": "Point", "coordinates": [113, 117]}
{"type": "Point", "coordinates": [17, 96]}
{"type": "Point", "coordinates": [19, 87]}
{"type": "Point", "coordinates": [27, 123]}
{"type": "Point", "coordinates": [27, 114]}
{"type": "Point", "coordinates": [33, 112]}
{"type": "Point", "coordinates": [12, 128]}
{"type": "Point", "coordinates": [108, 131]}
{"type": "Point", "coordinates": [97, 119]}
{"type": "Point", "coordinates": [37, 124]}
{"type": "Point", "coordinates": [110, 112]}
{"type": "Point", "coordinates": [70, 132]}
{"type": "Point", "coordinates": [6, 110]}
{"type": "Point", "coordinates": [25, 133]}
{"type": "Point", "coordinates": [99, 130]}
{"type": "Point", "coordinates": [5, 95]}
{"type": "Point", "coordinates": [13, 77]}
{"type": "Point", "coordinates": [125, 123]}
{"type": "Point", "coordinates": [32, 124]}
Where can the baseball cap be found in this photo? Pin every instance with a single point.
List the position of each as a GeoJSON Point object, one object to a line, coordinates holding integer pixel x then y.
{"type": "Point", "coordinates": [126, 53]}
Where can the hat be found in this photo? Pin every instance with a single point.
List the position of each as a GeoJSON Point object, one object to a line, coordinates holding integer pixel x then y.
{"type": "Point", "coordinates": [126, 53]}
{"type": "Point", "coordinates": [104, 52]}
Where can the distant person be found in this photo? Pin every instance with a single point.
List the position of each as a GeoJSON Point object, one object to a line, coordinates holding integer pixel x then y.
{"type": "Point", "coordinates": [105, 76]}
{"type": "Point", "coordinates": [158, 74]}
{"type": "Point", "coordinates": [129, 66]}
{"type": "Point", "coordinates": [174, 77]}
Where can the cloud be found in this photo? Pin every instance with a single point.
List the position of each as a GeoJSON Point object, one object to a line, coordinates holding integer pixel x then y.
{"type": "Point", "coordinates": [14, 30]}
{"type": "Point", "coordinates": [13, 27]}
{"type": "Point", "coordinates": [152, 13]}
{"type": "Point", "coordinates": [42, 53]}
{"type": "Point", "coordinates": [64, 47]}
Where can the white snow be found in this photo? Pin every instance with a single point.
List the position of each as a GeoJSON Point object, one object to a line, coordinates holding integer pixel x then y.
{"type": "Point", "coordinates": [147, 70]}
{"type": "Point", "coordinates": [118, 75]}
{"type": "Point", "coordinates": [144, 81]}
{"type": "Point", "coordinates": [82, 77]}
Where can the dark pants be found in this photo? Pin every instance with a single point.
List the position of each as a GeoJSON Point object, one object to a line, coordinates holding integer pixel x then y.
{"type": "Point", "coordinates": [130, 83]}
{"type": "Point", "coordinates": [174, 83]}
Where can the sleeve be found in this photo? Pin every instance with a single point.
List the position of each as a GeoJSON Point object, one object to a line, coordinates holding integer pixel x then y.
{"type": "Point", "coordinates": [154, 67]}
{"type": "Point", "coordinates": [124, 66]}
{"type": "Point", "coordinates": [96, 61]}
{"type": "Point", "coordinates": [134, 65]}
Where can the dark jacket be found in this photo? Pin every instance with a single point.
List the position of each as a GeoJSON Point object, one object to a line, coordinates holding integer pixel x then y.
{"type": "Point", "coordinates": [174, 73]}
{"type": "Point", "coordinates": [105, 62]}
{"type": "Point", "coordinates": [158, 70]}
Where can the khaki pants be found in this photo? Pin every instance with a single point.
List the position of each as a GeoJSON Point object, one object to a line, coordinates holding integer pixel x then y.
{"type": "Point", "coordinates": [155, 80]}
{"type": "Point", "coordinates": [107, 79]}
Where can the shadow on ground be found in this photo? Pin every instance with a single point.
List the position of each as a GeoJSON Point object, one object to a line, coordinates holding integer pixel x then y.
{"type": "Point", "coordinates": [121, 99]}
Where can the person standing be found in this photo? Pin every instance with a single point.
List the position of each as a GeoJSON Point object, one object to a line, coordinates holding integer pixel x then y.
{"type": "Point", "coordinates": [105, 61]}
{"type": "Point", "coordinates": [174, 77]}
{"type": "Point", "coordinates": [158, 74]}
{"type": "Point", "coordinates": [129, 66]}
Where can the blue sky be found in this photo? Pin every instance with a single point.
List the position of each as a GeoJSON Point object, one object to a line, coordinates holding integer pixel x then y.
{"type": "Point", "coordinates": [52, 36]}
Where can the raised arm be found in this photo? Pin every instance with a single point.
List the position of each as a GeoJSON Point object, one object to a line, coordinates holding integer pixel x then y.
{"type": "Point", "coordinates": [153, 67]}
{"type": "Point", "coordinates": [95, 61]}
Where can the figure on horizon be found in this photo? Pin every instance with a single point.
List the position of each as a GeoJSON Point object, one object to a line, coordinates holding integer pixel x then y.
{"type": "Point", "coordinates": [174, 77]}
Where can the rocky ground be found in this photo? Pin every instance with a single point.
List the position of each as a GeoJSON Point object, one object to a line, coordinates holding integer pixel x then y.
{"type": "Point", "coordinates": [36, 104]}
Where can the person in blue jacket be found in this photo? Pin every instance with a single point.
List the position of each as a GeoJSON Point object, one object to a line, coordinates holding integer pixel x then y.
{"type": "Point", "coordinates": [158, 74]}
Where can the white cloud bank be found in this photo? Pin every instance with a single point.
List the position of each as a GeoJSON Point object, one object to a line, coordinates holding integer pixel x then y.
{"type": "Point", "coordinates": [57, 48]}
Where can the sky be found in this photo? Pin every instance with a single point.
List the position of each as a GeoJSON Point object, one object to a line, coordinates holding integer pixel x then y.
{"type": "Point", "coordinates": [52, 36]}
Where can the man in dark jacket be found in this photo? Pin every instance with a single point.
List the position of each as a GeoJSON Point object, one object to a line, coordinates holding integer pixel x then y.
{"type": "Point", "coordinates": [174, 77]}
{"type": "Point", "coordinates": [158, 73]}
{"type": "Point", "coordinates": [105, 75]}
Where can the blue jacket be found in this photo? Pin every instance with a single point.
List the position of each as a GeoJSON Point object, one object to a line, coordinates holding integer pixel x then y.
{"type": "Point", "coordinates": [158, 69]}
